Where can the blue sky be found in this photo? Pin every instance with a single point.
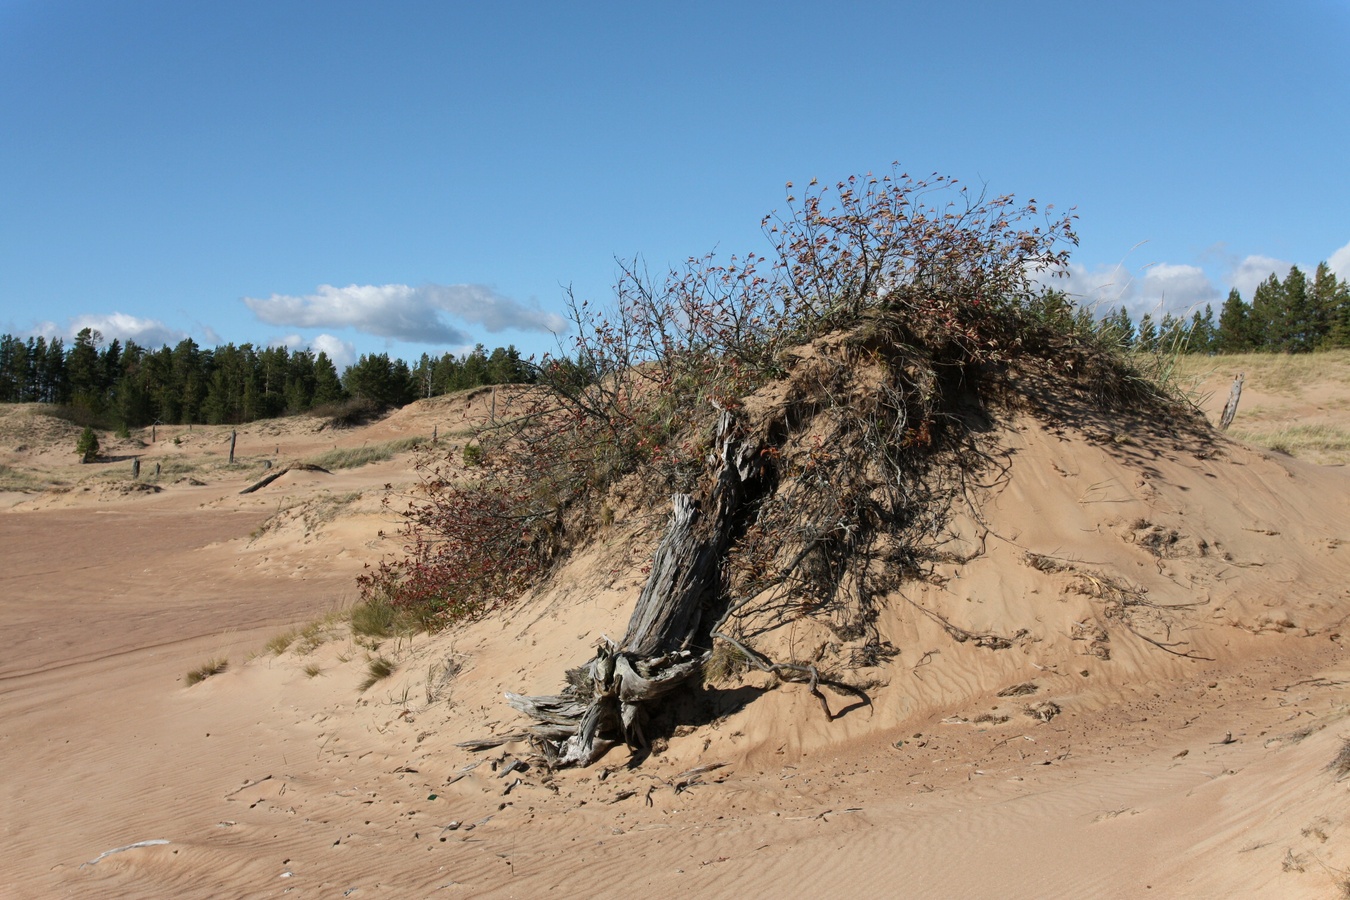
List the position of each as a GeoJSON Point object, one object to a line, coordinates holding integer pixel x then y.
{"type": "Point", "coordinates": [419, 177]}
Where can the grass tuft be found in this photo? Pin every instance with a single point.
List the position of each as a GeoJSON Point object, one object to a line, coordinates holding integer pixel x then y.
{"type": "Point", "coordinates": [725, 662]}
{"type": "Point", "coordinates": [1341, 763]}
{"type": "Point", "coordinates": [376, 617]}
{"type": "Point", "coordinates": [378, 669]}
{"type": "Point", "coordinates": [203, 672]}
{"type": "Point", "coordinates": [280, 643]}
{"type": "Point", "coordinates": [312, 670]}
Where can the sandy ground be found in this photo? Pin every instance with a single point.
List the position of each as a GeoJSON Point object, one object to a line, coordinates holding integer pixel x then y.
{"type": "Point", "coordinates": [1173, 618]}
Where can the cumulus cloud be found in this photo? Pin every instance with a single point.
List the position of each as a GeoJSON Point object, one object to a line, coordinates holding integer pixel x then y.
{"type": "Point", "coordinates": [1177, 287]}
{"type": "Point", "coordinates": [1340, 262]}
{"type": "Point", "coordinates": [342, 353]}
{"type": "Point", "coordinates": [1253, 270]}
{"type": "Point", "coordinates": [150, 333]}
{"type": "Point", "coordinates": [1158, 289]}
{"type": "Point", "coordinates": [400, 312]}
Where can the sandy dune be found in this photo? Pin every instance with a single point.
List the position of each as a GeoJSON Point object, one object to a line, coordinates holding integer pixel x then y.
{"type": "Point", "coordinates": [1152, 686]}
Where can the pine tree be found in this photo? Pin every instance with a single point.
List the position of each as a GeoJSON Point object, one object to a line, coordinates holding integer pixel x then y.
{"type": "Point", "coordinates": [1269, 316]}
{"type": "Point", "coordinates": [1300, 329]}
{"type": "Point", "coordinates": [1235, 326]}
{"type": "Point", "coordinates": [1146, 335]}
{"type": "Point", "coordinates": [87, 445]}
{"type": "Point", "coordinates": [83, 369]}
{"type": "Point", "coordinates": [1201, 333]}
{"type": "Point", "coordinates": [1330, 301]}
{"type": "Point", "coordinates": [327, 387]}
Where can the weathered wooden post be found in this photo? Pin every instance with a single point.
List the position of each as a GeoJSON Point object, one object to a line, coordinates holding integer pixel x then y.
{"type": "Point", "coordinates": [1230, 408]}
{"type": "Point", "coordinates": [136, 469]}
{"type": "Point", "coordinates": [435, 429]}
{"type": "Point", "coordinates": [233, 436]}
{"type": "Point", "coordinates": [157, 471]}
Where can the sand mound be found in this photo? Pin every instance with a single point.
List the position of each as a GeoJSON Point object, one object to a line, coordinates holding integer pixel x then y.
{"type": "Point", "coordinates": [1126, 675]}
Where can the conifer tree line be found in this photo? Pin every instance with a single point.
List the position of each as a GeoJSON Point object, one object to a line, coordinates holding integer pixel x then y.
{"type": "Point", "coordinates": [1296, 315]}
{"type": "Point", "coordinates": [128, 385]}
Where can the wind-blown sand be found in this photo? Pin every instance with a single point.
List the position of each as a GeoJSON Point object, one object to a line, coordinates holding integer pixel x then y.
{"type": "Point", "coordinates": [1159, 775]}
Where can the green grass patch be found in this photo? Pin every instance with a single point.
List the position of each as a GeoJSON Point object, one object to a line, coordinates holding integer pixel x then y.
{"type": "Point", "coordinates": [205, 671]}
{"type": "Point", "coordinates": [353, 457]}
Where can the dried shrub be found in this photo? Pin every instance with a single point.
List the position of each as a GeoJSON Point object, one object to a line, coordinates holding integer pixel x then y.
{"type": "Point", "coordinates": [870, 349]}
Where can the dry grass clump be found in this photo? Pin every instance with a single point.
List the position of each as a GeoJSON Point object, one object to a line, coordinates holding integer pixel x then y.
{"type": "Point", "coordinates": [725, 662]}
{"type": "Point", "coordinates": [312, 669]}
{"type": "Point", "coordinates": [11, 479]}
{"type": "Point", "coordinates": [1321, 442]}
{"type": "Point", "coordinates": [1281, 373]}
{"type": "Point", "coordinates": [378, 669]}
{"type": "Point", "coordinates": [1341, 763]}
{"type": "Point", "coordinates": [211, 667]}
{"type": "Point", "coordinates": [353, 457]}
{"type": "Point", "coordinates": [375, 617]}
{"type": "Point", "coordinates": [280, 643]}
{"type": "Point", "coordinates": [318, 633]}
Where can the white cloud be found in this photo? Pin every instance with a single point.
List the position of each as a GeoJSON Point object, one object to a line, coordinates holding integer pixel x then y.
{"type": "Point", "coordinates": [400, 312]}
{"type": "Point", "coordinates": [1177, 288]}
{"type": "Point", "coordinates": [342, 353]}
{"type": "Point", "coordinates": [149, 333]}
{"type": "Point", "coordinates": [1340, 262]}
{"type": "Point", "coordinates": [1162, 288]}
{"type": "Point", "coordinates": [1255, 269]}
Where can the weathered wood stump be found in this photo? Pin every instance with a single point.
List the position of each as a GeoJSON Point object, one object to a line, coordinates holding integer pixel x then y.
{"type": "Point", "coordinates": [669, 634]}
{"type": "Point", "coordinates": [1230, 408]}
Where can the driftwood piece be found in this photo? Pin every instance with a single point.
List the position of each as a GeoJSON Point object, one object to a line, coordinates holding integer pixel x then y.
{"type": "Point", "coordinates": [264, 482]}
{"type": "Point", "coordinates": [1230, 408]}
{"type": "Point", "coordinates": [669, 634]}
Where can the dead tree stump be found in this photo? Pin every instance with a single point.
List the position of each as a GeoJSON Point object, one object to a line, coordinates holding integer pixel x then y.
{"type": "Point", "coordinates": [1230, 408]}
{"type": "Point", "coordinates": [668, 636]}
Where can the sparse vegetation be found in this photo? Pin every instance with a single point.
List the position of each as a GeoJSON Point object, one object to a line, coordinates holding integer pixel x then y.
{"type": "Point", "coordinates": [725, 663]}
{"type": "Point", "coordinates": [281, 642]}
{"type": "Point", "coordinates": [818, 414]}
{"type": "Point", "coordinates": [1320, 443]}
{"type": "Point", "coordinates": [374, 616]}
{"type": "Point", "coordinates": [206, 670]}
{"type": "Point", "coordinates": [1341, 763]}
{"type": "Point", "coordinates": [869, 349]}
{"type": "Point", "coordinates": [377, 669]}
{"type": "Point", "coordinates": [347, 413]}
{"type": "Point", "coordinates": [312, 670]}
{"type": "Point", "coordinates": [353, 457]}
{"type": "Point", "coordinates": [12, 479]}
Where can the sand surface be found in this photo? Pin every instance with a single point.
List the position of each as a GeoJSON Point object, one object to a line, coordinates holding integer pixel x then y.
{"type": "Point", "coordinates": [1186, 755]}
